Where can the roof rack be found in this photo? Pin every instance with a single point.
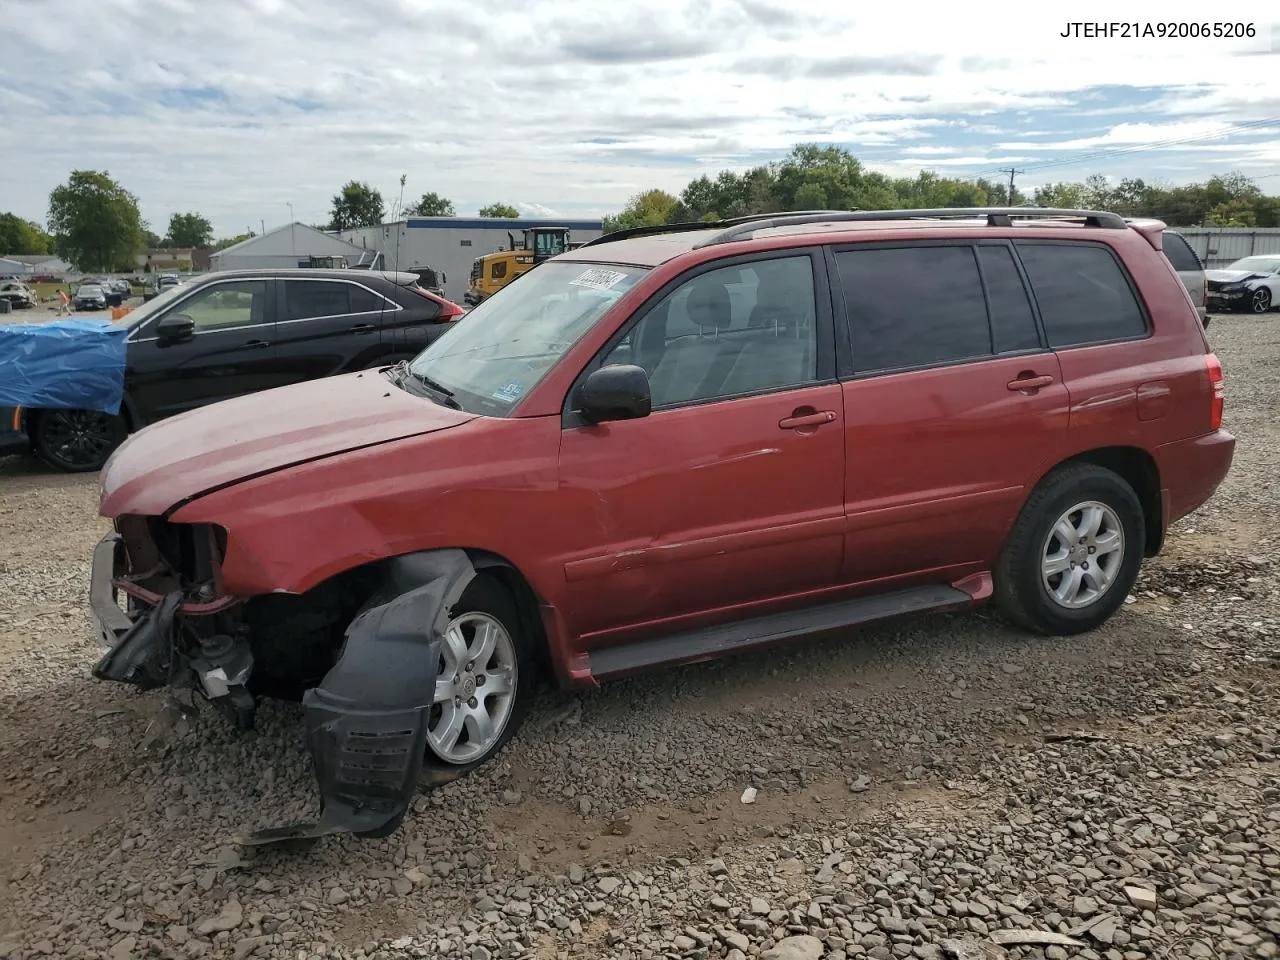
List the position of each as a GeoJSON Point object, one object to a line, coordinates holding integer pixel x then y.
{"type": "Point", "coordinates": [689, 225]}
{"type": "Point", "coordinates": [996, 217]}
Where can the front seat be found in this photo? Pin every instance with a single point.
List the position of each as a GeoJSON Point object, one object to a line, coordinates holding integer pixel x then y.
{"type": "Point", "coordinates": [686, 362]}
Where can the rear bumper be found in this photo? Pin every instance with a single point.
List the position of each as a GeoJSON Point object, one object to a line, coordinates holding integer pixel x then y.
{"type": "Point", "coordinates": [1191, 470]}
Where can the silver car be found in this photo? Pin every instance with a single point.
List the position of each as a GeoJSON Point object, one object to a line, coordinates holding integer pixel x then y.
{"type": "Point", "coordinates": [90, 296]}
{"type": "Point", "coordinates": [1190, 269]}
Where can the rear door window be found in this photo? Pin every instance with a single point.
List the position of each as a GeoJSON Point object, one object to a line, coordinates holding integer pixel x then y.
{"type": "Point", "coordinates": [913, 306]}
{"type": "Point", "coordinates": [309, 299]}
{"type": "Point", "coordinates": [1013, 325]}
{"type": "Point", "coordinates": [1083, 293]}
{"type": "Point", "coordinates": [365, 301]}
{"type": "Point", "coordinates": [1180, 254]}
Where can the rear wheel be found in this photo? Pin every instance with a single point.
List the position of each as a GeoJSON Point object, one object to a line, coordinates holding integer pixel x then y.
{"type": "Point", "coordinates": [485, 682]}
{"type": "Point", "coordinates": [1074, 552]}
{"type": "Point", "coordinates": [78, 441]}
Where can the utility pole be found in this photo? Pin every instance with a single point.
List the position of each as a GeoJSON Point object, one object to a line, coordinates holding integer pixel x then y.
{"type": "Point", "coordinates": [1011, 171]}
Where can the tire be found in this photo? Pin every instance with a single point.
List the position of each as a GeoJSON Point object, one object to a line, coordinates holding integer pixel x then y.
{"type": "Point", "coordinates": [77, 441]}
{"type": "Point", "coordinates": [484, 603]}
{"type": "Point", "coordinates": [1260, 301]}
{"type": "Point", "coordinates": [1022, 587]}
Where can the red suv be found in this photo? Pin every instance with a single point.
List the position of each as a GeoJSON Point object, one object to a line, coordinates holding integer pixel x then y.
{"type": "Point", "coordinates": [668, 444]}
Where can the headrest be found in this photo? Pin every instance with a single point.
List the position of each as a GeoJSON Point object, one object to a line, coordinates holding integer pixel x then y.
{"type": "Point", "coordinates": [709, 306]}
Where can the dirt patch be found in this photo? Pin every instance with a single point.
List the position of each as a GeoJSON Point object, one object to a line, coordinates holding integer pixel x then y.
{"type": "Point", "coordinates": [552, 837]}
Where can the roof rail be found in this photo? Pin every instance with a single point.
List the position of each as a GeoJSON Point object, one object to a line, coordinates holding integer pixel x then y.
{"type": "Point", "coordinates": [996, 217]}
{"type": "Point", "coordinates": [688, 225]}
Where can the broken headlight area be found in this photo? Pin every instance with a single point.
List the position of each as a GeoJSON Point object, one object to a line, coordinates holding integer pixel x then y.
{"type": "Point", "coordinates": [177, 629]}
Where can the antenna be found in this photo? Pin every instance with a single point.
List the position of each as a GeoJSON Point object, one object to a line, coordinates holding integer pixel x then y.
{"type": "Point", "coordinates": [396, 219]}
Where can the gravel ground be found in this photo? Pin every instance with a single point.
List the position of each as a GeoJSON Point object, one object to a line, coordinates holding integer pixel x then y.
{"type": "Point", "coordinates": [945, 787]}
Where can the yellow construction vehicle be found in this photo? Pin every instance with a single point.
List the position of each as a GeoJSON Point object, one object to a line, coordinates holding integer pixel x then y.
{"type": "Point", "coordinates": [493, 271]}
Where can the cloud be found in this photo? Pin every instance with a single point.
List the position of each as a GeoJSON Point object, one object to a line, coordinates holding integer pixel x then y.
{"type": "Point", "coordinates": [239, 107]}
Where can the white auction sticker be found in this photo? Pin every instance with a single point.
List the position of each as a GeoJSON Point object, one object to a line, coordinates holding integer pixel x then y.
{"type": "Point", "coordinates": [598, 279]}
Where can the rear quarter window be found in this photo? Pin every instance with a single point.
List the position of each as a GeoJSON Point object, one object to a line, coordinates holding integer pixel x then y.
{"type": "Point", "coordinates": [1180, 253]}
{"type": "Point", "coordinates": [1083, 293]}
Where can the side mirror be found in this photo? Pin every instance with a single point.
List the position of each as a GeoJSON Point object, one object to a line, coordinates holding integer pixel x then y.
{"type": "Point", "coordinates": [616, 392]}
{"type": "Point", "coordinates": [176, 326]}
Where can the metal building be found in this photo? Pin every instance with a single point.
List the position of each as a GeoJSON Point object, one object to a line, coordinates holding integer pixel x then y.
{"type": "Point", "coordinates": [449, 245]}
{"type": "Point", "coordinates": [1218, 246]}
{"type": "Point", "coordinates": [287, 246]}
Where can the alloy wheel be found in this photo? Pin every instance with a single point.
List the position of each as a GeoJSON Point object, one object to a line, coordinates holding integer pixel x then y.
{"type": "Point", "coordinates": [475, 688]}
{"type": "Point", "coordinates": [1261, 300]}
{"type": "Point", "coordinates": [81, 438]}
{"type": "Point", "coordinates": [1082, 555]}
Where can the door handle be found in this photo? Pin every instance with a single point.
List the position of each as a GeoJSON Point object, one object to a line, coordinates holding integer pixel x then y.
{"type": "Point", "coordinates": [363, 328]}
{"type": "Point", "coordinates": [1030, 382]}
{"type": "Point", "coordinates": [797, 419]}
{"type": "Point", "coordinates": [258, 344]}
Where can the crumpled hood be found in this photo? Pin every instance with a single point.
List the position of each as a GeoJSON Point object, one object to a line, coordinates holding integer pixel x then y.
{"type": "Point", "coordinates": [182, 457]}
{"type": "Point", "coordinates": [1229, 276]}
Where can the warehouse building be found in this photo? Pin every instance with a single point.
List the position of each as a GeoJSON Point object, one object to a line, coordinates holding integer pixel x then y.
{"type": "Point", "coordinates": [289, 246]}
{"type": "Point", "coordinates": [1218, 246]}
{"type": "Point", "coordinates": [448, 245]}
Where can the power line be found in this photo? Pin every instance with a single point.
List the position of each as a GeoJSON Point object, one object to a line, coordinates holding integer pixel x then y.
{"type": "Point", "coordinates": [1011, 172]}
{"type": "Point", "coordinates": [1247, 126]}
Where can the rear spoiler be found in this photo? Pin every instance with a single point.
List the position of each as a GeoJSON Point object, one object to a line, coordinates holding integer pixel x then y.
{"type": "Point", "coordinates": [1153, 230]}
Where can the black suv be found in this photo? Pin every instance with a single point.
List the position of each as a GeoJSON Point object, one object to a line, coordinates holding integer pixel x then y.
{"type": "Point", "coordinates": [240, 331]}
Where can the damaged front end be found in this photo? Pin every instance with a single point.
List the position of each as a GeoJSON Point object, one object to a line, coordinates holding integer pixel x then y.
{"type": "Point", "coordinates": [178, 628]}
{"type": "Point", "coordinates": [366, 720]}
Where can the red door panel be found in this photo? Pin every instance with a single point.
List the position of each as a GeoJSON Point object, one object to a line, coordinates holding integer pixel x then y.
{"type": "Point", "coordinates": [701, 508]}
{"type": "Point", "coordinates": [938, 462]}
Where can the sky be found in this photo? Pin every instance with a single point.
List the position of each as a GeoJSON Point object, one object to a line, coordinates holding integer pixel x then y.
{"type": "Point", "coordinates": [249, 110]}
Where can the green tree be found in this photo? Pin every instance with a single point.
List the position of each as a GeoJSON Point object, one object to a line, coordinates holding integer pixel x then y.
{"type": "Point", "coordinates": [231, 241]}
{"type": "Point", "coordinates": [357, 205]}
{"type": "Point", "coordinates": [95, 222]}
{"type": "Point", "coordinates": [189, 230]}
{"type": "Point", "coordinates": [432, 205]}
{"type": "Point", "coordinates": [494, 210]}
{"type": "Point", "coordinates": [1064, 196]}
{"type": "Point", "coordinates": [814, 177]}
{"type": "Point", "coordinates": [22, 236]}
{"type": "Point", "coordinates": [152, 240]}
{"type": "Point", "coordinates": [647, 209]}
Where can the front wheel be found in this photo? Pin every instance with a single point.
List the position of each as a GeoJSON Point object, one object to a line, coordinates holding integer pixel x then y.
{"type": "Point", "coordinates": [1260, 301]}
{"type": "Point", "coordinates": [485, 681]}
{"type": "Point", "coordinates": [78, 441]}
{"type": "Point", "coordinates": [1074, 552]}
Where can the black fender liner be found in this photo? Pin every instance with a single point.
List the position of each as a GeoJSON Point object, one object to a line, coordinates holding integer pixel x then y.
{"type": "Point", "coordinates": [366, 722]}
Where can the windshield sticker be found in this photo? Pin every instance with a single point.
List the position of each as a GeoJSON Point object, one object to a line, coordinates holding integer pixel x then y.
{"type": "Point", "coordinates": [510, 393]}
{"type": "Point", "coordinates": [598, 279]}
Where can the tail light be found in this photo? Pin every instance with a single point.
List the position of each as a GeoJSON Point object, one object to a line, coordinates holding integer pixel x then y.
{"type": "Point", "coordinates": [1219, 391]}
{"type": "Point", "coordinates": [448, 309]}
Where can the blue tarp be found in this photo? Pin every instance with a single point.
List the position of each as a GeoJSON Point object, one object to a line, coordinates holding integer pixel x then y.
{"type": "Point", "coordinates": [76, 363]}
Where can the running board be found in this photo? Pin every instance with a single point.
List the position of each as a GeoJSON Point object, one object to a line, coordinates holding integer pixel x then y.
{"type": "Point", "coordinates": [740, 635]}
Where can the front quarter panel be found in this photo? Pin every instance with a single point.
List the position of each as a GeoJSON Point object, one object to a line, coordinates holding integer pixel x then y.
{"type": "Point", "coordinates": [489, 484]}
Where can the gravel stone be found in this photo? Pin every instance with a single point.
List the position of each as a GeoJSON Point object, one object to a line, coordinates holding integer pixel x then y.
{"type": "Point", "coordinates": [1120, 783]}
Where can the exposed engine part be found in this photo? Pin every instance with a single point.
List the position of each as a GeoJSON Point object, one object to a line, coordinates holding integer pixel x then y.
{"type": "Point", "coordinates": [223, 667]}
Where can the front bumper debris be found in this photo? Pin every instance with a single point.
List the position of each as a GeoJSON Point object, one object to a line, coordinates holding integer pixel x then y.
{"type": "Point", "coordinates": [367, 720]}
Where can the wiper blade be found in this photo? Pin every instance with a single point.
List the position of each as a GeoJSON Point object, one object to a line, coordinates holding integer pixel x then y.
{"type": "Point", "coordinates": [445, 395]}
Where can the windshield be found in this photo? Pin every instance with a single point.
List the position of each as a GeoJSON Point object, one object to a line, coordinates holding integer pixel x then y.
{"type": "Point", "coordinates": [141, 314]}
{"type": "Point", "coordinates": [1257, 264]}
{"type": "Point", "coordinates": [502, 348]}
{"type": "Point", "coordinates": [89, 288]}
